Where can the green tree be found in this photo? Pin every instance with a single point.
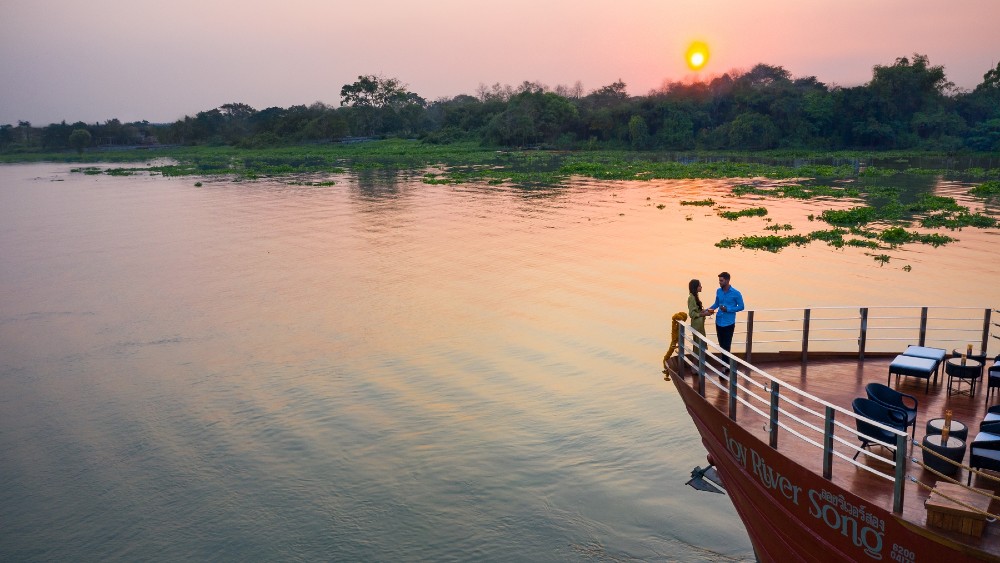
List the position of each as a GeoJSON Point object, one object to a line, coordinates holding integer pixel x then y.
{"type": "Point", "coordinates": [819, 111]}
{"type": "Point", "coordinates": [208, 126]}
{"type": "Point", "coordinates": [532, 117]}
{"type": "Point", "coordinates": [937, 123]}
{"type": "Point", "coordinates": [991, 80]}
{"type": "Point", "coordinates": [984, 136]}
{"type": "Point", "coordinates": [6, 136]}
{"type": "Point", "coordinates": [753, 131]}
{"type": "Point", "coordinates": [982, 105]}
{"type": "Point", "coordinates": [904, 88]}
{"type": "Point", "coordinates": [611, 95]}
{"type": "Point", "coordinates": [79, 139]}
{"type": "Point", "coordinates": [676, 132]}
{"type": "Point", "coordinates": [377, 100]}
{"type": "Point", "coordinates": [24, 132]}
{"type": "Point", "coordinates": [237, 111]}
{"type": "Point", "coordinates": [56, 135]}
{"type": "Point", "coordinates": [235, 125]}
{"type": "Point", "coordinates": [638, 133]}
{"type": "Point", "coordinates": [373, 91]}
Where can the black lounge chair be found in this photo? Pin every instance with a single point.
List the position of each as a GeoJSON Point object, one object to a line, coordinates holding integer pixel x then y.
{"type": "Point", "coordinates": [992, 418]}
{"type": "Point", "coordinates": [889, 397]}
{"type": "Point", "coordinates": [993, 378]}
{"type": "Point", "coordinates": [984, 450]}
{"type": "Point", "coordinates": [868, 433]}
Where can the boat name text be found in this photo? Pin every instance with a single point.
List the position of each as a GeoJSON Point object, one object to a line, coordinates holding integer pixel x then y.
{"type": "Point", "coordinates": [866, 530]}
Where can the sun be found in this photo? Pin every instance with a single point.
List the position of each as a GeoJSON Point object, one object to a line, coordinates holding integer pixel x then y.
{"type": "Point", "coordinates": [697, 55]}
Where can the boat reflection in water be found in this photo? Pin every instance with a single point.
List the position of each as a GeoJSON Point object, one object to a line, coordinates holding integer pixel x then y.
{"type": "Point", "coordinates": [787, 445]}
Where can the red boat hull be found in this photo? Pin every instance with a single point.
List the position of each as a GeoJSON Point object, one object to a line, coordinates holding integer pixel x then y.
{"type": "Point", "coordinates": [791, 513]}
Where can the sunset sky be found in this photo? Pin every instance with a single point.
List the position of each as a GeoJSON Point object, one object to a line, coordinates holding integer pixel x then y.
{"type": "Point", "coordinates": [161, 60]}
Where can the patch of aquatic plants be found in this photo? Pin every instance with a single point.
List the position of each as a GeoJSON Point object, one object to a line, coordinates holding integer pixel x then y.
{"type": "Point", "coordinates": [97, 170]}
{"type": "Point", "coordinates": [833, 237]}
{"type": "Point", "coordinates": [770, 243]}
{"type": "Point", "coordinates": [774, 243]}
{"type": "Point", "coordinates": [315, 184]}
{"type": "Point", "coordinates": [611, 166]}
{"type": "Point", "coordinates": [860, 243]}
{"type": "Point", "coordinates": [928, 203]}
{"type": "Point", "coordinates": [881, 172]}
{"type": "Point", "coordinates": [938, 211]}
{"type": "Point", "coordinates": [88, 170]}
{"type": "Point", "coordinates": [977, 173]}
{"type": "Point", "coordinates": [432, 178]}
{"type": "Point", "coordinates": [961, 219]}
{"type": "Point", "coordinates": [699, 202]}
{"type": "Point", "coordinates": [494, 176]}
{"type": "Point", "coordinates": [749, 212]}
{"type": "Point", "coordinates": [898, 235]}
{"type": "Point", "coordinates": [403, 154]}
{"type": "Point", "coordinates": [988, 189]}
{"type": "Point", "coordinates": [798, 191]}
{"type": "Point", "coordinates": [861, 215]}
{"type": "Point", "coordinates": [776, 228]}
{"type": "Point", "coordinates": [174, 170]}
{"type": "Point", "coordinates": [890, 209]}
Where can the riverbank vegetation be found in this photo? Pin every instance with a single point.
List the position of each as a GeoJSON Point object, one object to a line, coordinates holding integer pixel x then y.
{"type": "Point", "coordinates": [907, 105]}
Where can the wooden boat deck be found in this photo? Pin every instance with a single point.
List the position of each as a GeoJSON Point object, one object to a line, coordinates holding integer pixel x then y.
{"type": "Point", "coordinates": [839, 382]}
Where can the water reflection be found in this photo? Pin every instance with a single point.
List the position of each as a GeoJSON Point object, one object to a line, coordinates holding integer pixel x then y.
{"type": "Point", "coordinates": [377, 183]}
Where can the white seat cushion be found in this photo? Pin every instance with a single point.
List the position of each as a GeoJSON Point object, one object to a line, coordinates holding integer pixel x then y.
{"type": "Point", "coordinates": [936, 354]}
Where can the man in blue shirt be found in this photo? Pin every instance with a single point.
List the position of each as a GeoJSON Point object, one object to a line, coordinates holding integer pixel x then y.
{"type": "Point", "coordinates": [728, 302]}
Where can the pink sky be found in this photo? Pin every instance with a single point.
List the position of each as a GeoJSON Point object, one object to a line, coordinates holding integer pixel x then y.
{"type": "Point", "coordinates": [161, 60]}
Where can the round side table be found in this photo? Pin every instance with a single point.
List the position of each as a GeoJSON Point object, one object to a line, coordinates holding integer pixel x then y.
{"type": "Point", "coordinates": [956, 429]}
{"type": "Point", "coordinates": [954, 450]}
{"type": "Point", "coordinates": [981, 357]}
{"type": "Point", "coordinates": [968, 373]}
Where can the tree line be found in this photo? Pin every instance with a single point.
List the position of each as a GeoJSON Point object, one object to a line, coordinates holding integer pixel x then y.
{"type": "Point", "coordinates": [909, 104]}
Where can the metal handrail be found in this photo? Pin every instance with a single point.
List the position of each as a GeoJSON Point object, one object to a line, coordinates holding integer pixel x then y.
{"type": "Point", "coordinates": [773, 390]}
{"type": "Point", "coordinates": [867, 322]}
{"type": "Point", "coordinates": [723, 354]}
{"type": "Point", "coordinates": [855, 307]}
{"type": "Point", "coordinates": [719, 354]}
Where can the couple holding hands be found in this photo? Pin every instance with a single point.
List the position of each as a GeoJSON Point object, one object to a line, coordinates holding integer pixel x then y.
{"type": "Point", "coordinates": [728, 302]}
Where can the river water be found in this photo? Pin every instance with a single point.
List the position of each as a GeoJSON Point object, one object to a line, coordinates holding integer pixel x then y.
{"type": "Point", "coordinates": [381, 370]}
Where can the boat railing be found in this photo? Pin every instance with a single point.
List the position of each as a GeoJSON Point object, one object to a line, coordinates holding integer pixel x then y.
{"type": "Point", "coordinates": [806, 417]}
{"type": "Point", "coordinates": [860, 330]}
